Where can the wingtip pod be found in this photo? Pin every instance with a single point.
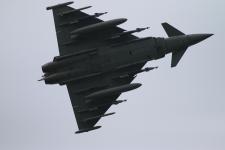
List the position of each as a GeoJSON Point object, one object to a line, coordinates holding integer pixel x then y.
{"type": "Point", "coordinates": [88, 129]}
{"type": "Point", "coordinates": [59, 5]}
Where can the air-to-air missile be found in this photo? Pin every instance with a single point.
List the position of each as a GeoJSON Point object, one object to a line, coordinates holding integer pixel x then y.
{"type": "Point", "coordinates": [121, 67]}
{"type": "Point", "coordinates": [147, 69]}
{"type": "Point", "coordinates": [88, 129]}
{"type": "Point", "coordinates": [98, 116]}
{"type": "Point", "coordinates": [57, 77]}
{"type": "Point", "coordinates": [118, 102]}
{"type": "Point", "coordinates": [71, 22]}
{"type": "Point", "coordinates": [63, 78]}
{"type": "Point", "coordinates": [98, 14]}
{"type": "Point", "coordinates": [113, 91]}
{"type": "Point", "coordinates": [97, 27]}
{"type": "Point", "coordinates": [131, 74]}
{"type": "Point", "coordinates": [88, 51]}
{"type": "Point", "coordinates": [69, 80]}
{"type": "Point", "coordinates": [87, 89]}
{"type": "Point", "coordinates": [116, 36]}
{"type": "Point", "coordinates": [98, 106]}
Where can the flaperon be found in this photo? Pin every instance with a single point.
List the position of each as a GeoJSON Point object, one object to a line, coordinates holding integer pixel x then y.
{"type": "Point", "coordinates": [98, 60]}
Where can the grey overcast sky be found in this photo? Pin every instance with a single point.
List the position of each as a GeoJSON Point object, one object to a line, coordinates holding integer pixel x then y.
{"type": "Point", "coordinates": [175, 109]}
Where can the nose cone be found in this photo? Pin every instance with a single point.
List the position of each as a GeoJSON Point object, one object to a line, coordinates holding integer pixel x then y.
{"type": "Point", "coordinates": [196, 38]}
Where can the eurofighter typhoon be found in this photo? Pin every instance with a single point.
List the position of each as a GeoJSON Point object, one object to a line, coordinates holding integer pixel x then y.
{"type": "Point", "coordinates": [98, 60]}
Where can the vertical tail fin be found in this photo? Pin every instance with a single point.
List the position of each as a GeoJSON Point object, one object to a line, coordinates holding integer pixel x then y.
{"type": "Point", "coordinates": [171, 32]}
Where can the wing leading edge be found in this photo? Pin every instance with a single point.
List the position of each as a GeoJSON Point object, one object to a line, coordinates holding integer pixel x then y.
{"type": "Point", "coordinates": [69, 21]}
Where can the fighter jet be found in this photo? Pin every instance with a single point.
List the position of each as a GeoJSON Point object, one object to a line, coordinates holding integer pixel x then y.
{"type": "Point", "coordinates": [98, 60]}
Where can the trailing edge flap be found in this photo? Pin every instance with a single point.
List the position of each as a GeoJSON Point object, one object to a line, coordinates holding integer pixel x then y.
{"type": "Point", "coordinates": [176, 57]}
{"type": "Point", "coordinates": [171, 31]}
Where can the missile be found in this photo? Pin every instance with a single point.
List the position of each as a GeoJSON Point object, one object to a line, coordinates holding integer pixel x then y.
{"type": "Point", "coordinates": [99, 14]}
{"type": "Point", "coordinates": [91, 16]}
{"type": "Point", "coordinates": [130, 41]}
{"type": "Point", "coordinates": [41, 79]}
{"type": "Point", "coordinates": [131, 65]}
{"type": "Point", "coordinates": [88, 129]}
{"type": "Point", "coordinates": [80, 78]}
{"type": "Point", "coordinates": [98, 116]}
{"type": "Point", "coordinates": [127, 33]}
{"type": "Point", "coordinates": [63, 78]}
{"type": "Point", "coordinates": [118, 102]}
{"type": "Point", "coordinates": [92, 109]}
{"type": "Point", "coordinates": [90, 89]}
{"type": "Point", "coordinates": [97, 106]}
{"type": "Point", "coordinates": [131, 74]}
{"type": "Point", "coordinates": [140, 29]}
{"type": "Point", "coordinates": [82, 52]}
{"type": "Point", "coordinates": [97, 26]}
{"type": "Point", "coordinates": [81, 19]}
{"type": "Point", "coordinates": [59, 5]}
{"type": "Point", "coordinates": [72, 11]}
{"type": "Point", "coordinates": [56, 77]}
{"type": "Point", "coordinates": [112, 91]}
{"type": "Point", "coordinates": [147, 69]}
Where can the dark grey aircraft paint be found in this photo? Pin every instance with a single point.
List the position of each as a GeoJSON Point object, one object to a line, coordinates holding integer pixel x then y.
{"type": "Point", "coordinates": [98, 60]}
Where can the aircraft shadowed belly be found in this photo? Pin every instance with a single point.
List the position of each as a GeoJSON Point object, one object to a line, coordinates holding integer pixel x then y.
{"type": "Point", "coordinates": [98, 60]}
